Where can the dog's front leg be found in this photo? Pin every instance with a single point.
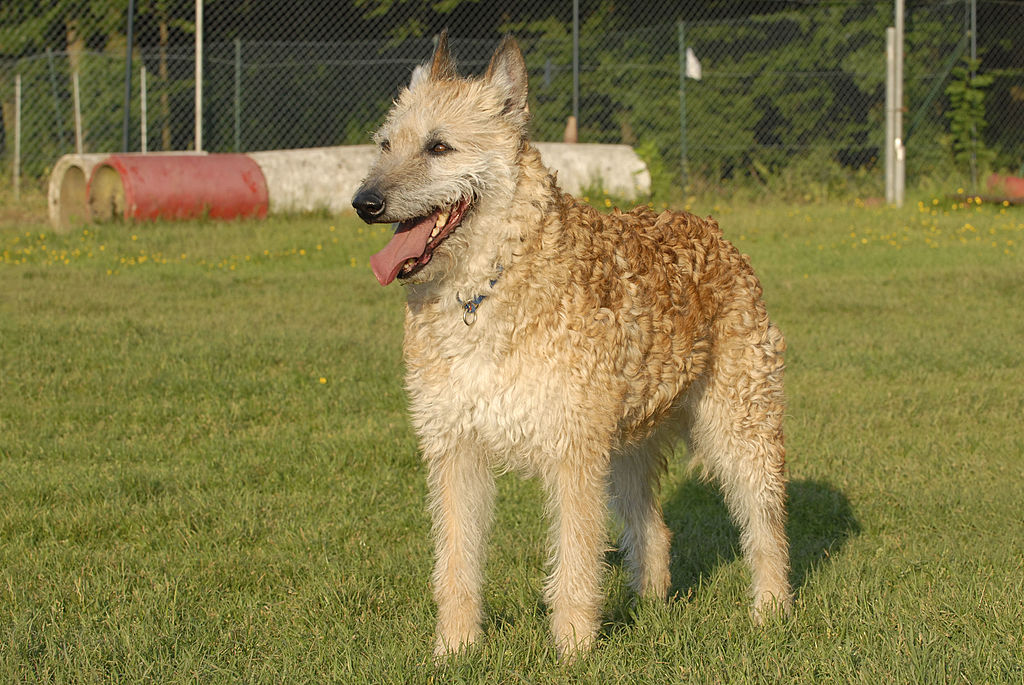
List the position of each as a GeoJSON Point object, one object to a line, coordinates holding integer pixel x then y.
{"type": "Point", "coordinates": [461, 496]}
{"type": "Point", "coordinates": [576, 497]}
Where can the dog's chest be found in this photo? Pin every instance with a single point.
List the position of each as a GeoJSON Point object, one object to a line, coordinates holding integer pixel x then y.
{"type": "Point", "coordinates": [470, 383]}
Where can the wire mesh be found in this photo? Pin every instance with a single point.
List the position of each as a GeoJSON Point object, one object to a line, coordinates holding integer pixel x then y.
{"type": "Point", "coordinates": [781, 83]}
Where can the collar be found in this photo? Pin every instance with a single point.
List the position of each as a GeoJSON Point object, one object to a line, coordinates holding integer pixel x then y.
{"type": "Point", "coordinates": [470, 306]}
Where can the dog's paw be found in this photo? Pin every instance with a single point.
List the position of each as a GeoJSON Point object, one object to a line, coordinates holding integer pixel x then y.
{"type": "Point", "coordinates": [768, 606]}
{"type": "Point", "coordinates": [446, 646]}
{"type": "Point", "coordinates": [573, 639]}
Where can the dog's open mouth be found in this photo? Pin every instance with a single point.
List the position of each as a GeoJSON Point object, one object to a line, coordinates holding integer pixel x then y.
{"type": "Point", "coordinates": [414, 242]}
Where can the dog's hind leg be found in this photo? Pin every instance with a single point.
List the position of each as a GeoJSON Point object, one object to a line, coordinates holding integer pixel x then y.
{"type": "Point", "coordinates": [576, 489]}
{"type": "Point", "coordinates": [636, 472]}
{"type": "Point", "coordinates": [736, 432]}
{"type": "Point", "coordinates": [461, 495]}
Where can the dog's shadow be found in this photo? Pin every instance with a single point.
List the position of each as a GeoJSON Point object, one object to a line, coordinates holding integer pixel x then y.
{"type": "Point", "coordinates": [704, 536]}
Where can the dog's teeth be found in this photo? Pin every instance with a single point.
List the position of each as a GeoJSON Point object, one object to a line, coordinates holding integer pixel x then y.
{"type": "Point", "coordinates": [433, 234]}
{"type": "Point", "coordinates": [442, 219]}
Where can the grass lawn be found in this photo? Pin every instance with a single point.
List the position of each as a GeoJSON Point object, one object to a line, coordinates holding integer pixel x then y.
{"type": "Point", "coordinates": [207, 474]}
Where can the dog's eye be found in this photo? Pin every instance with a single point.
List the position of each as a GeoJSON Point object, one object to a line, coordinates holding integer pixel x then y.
{"type": "Point", "coordinates": [385, 145]}
{"type": "Point", "coordinates": [439, 148]}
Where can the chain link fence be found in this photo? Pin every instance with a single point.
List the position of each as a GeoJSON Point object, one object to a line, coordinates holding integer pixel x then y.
{"type": "Point", "coordinates": [785, 88]}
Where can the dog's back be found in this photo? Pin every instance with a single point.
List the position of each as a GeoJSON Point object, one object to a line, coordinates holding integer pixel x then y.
{"type": "Point", "coordinates": [657, 293]}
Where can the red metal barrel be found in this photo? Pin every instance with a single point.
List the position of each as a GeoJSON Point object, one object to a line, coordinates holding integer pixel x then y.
{"type": "Point", "coordinates": [184, 186]}
{"type": "Point", "coordinates": [1006, 187]}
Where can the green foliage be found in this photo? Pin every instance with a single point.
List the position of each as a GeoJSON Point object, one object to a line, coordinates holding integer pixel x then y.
{"type": "Point", "coordinates": [966, 115]}
{"type": "Point", "coordinates": [27, 26]}
{"type": "Point", "coordinates": [664, 183]}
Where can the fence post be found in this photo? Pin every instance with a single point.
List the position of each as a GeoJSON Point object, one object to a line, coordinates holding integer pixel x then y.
{"type": "Point", "coordinates": [890, 120]}
{"type": "Point", "coordinates": [238, 94]}
{"type": "Point", "coordinates": [899, 182]}
{"type": "Point", "coordinates": [576, 61]}
{"type": "Point", "coordinates": [17, 136]}
{"type": "Point", "coordinates": [682, 103]}
{"type": "Point", "coordinates": [199, 77]}
{"type": "Point", "coordinates": [974, 128]}
{"type": "Point", "coordinates": [128, 77]}
{"type": "Point", "coordinates": [79, 143]}
{"type": "Point", "coordinates": [143, 142]}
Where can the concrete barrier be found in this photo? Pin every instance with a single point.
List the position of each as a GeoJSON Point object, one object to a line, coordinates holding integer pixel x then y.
{"type": "Point", "coordinates": [67, 202]}
{"type": "Point", "coordinates": [314, 179]}
{"type": "Point", "coordinates": [616, 169]}
{"type": "Point", "coordinates": [326, 178]}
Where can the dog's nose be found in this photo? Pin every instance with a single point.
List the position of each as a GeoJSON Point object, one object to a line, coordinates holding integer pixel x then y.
{"type": "Point", "coordinates": [369, 204]}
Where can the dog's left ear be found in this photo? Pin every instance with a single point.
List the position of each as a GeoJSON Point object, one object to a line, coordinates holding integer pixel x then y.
{"type": "Point", "coordinates": [507, 73]}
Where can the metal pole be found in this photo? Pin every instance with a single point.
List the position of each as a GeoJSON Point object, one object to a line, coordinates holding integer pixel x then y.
{"type": "Point", "coordinates": [79, 143]}
{"type": "Point", "coordinates": [900, 168]}
{"type": "Point", "coordinates": [238, 94]}
{"type": "Point", "coordinates": [17, 136]}
{"type": "Point", "coordinates": [128, 76]}
{"type": "Point", "coordinates": [143, 143]}
{"type": "Point", "coordinates": [576, 61]}
{"type": "Point", "coordinates": [682, 103]}
{"type": "Point", "coordinates": [974, 29]}
{"type": "Point", "coordinates": [199, 77]}
{"type": "Point", "coordinates": [974, 129]}
{"type": "Point", "coordinates": [890, 119]}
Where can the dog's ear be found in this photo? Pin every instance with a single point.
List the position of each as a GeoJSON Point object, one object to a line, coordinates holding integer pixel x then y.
{"type": "Point", "coordinates": [420, 75]}
{"type": "Point", "coordinates": [443, 66]}
{"type": "Point", "coordinates": [507, 73]}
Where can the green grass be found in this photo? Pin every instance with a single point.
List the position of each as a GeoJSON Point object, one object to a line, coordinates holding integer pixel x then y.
{"type": "Point", "coordinates": [207, 474]}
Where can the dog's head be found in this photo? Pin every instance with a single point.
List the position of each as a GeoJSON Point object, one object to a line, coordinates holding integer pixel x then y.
{"type": "Point", "coordinates": [448, 145]}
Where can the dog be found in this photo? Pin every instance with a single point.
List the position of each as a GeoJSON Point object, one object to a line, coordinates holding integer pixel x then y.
{"type": "Point", "coordinates": [544, 337]}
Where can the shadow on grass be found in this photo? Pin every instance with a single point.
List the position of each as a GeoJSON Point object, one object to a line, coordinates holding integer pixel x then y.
{"type": "Point", "coordinates": [704, 536]}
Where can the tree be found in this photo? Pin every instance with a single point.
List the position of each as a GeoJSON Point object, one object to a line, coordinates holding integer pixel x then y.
{"type": "Point", "coordinates": [966, 115]}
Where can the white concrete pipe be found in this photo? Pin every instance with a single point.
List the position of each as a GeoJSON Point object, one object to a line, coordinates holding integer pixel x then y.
{"type": "Point", "coordinates": [326, 178]}
{"type": "Point", "coordinates": [66, 198]}
{"type": "Point", "coordinates": [616, 169]}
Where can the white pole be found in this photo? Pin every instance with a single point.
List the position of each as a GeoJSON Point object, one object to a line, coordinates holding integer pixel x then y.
{"type": "Point", "coordinates": [142, 106]}
{"type": "Point", "coordinates": [79, 143]}
{"type": "Point", "coordinates": [899, 181]}
{"type": "Point", "coordinates": [17, 136]}
{"type": "Point", "coordinates": [199, 75]}
{"type": "Point", "coordinates": [890, 118]}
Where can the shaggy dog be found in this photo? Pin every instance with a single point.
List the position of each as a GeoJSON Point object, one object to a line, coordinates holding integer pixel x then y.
{"type": "Point", "coordinates": [544, 337]}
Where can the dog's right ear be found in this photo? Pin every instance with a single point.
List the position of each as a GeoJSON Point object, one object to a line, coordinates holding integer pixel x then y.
{"type": "Point", "coordinates": [441, 67]}
{"type": "Point", "coordinates": [420, 75]}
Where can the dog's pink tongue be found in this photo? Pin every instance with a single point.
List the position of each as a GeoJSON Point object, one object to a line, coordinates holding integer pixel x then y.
{"type": "Point", "coordinates": [406, 244]}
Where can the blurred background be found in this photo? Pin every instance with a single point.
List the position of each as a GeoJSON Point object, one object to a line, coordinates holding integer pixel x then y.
{"type": "Point", "coordinates": [789, 95]}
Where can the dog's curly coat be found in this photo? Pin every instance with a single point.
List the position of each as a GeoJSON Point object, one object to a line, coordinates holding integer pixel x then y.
{"type": "Point", "coordinates": [595, 342]}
